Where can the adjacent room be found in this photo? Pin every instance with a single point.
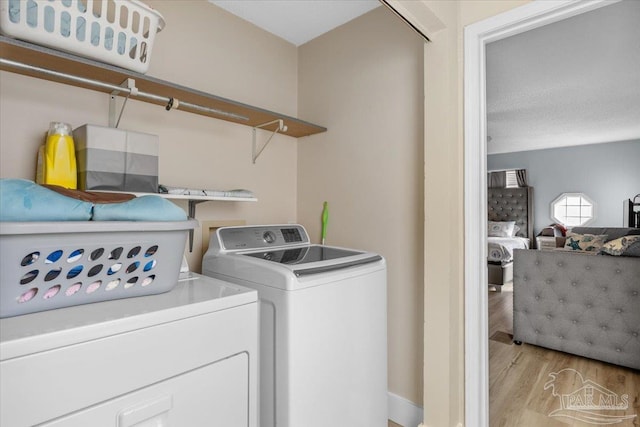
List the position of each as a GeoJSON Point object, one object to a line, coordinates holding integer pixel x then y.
{"type": "Point", "coordinates": [563, 196]}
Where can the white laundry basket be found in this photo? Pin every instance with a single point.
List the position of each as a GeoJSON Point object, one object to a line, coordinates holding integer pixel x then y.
{"type": "Point", "coordinates": [47, 265]}
{"type": "Point", "coordinates": [118, 32]}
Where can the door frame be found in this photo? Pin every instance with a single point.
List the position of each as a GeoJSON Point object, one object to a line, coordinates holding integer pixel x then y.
{"type": "Point", "coordinates": [476, 36]}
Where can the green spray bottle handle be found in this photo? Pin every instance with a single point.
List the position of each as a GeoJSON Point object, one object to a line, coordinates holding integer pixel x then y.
{"type": "Point", "coordinates": [325, 220]}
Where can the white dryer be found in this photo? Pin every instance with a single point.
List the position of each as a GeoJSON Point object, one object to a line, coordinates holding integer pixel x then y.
{"type": "Point", "coordinates": [323, 332]}
{"type": "Point", "coordinates": [184, 358]}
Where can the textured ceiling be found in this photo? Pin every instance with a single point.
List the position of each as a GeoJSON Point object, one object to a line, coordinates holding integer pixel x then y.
{"type": "Point", "coordinates": [297, 21]}
{"type": "Point", "coordinates": [573, 82]}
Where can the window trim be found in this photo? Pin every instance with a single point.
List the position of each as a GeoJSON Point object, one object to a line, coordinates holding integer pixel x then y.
{"type": "Point", "coordinates": [562, 196]}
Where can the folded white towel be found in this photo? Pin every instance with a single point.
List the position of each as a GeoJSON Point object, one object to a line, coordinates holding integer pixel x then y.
{"type": "Point", "coordinates": [239, 193]}
{"type": "Point", "coordinates": [185, 191]}
{"type": "Point", "coordinates": [229, 193]}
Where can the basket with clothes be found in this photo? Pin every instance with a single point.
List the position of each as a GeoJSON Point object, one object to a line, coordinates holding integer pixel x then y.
{"type": "Point", "coordinates": [62, 247]}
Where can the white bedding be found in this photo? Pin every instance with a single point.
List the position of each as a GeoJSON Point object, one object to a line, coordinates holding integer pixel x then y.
{"type": "Point", "coordinates": [501, 248]}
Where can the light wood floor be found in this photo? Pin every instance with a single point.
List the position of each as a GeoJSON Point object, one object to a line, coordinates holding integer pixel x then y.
{"type": "Point", "coordinates": [518, 374]}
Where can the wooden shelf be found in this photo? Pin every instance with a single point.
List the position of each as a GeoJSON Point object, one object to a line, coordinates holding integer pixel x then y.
{"type": "Point", "coordinates": [51, 59]}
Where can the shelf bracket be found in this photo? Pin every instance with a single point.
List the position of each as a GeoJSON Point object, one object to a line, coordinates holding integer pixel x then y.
{"type": "Point", "coordinates": [192, 214]}
{"type": "Point", "coordinates": [129, 85]}
{"type": "Point", "coordinates": [255, 153]}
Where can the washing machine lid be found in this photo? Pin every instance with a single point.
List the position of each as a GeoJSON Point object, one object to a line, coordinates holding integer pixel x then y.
{"type": "Point", "coordinates": [324, 258]}
{"type": "Point", "coordinates": [303, 254]}
{"type": "Point", "coordinates": [281, 256]}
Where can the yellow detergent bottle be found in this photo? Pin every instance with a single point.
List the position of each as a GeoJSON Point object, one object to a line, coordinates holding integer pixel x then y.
{"type": "Point", "coordinates": [60, 157]}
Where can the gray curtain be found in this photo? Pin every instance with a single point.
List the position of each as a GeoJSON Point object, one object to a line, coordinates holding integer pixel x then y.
{"type": "Point", "coordinates": [497, 179]}
{"type": "Point", "coordinates": [521, 175]}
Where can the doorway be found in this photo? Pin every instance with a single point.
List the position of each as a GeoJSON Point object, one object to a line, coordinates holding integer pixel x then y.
{"type": "Point", "coordinates": [477, 35]}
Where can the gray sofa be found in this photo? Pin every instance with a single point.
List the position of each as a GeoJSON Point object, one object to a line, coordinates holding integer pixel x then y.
{"type": "Point", "coordinates": [579, 303]}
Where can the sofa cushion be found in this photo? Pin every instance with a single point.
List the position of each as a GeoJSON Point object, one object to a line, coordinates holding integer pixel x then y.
{"type": "Point", "coordinates": [578, 303]}
{"type": "Point", "coordinates": [611, 232]}
{"type": "Point", "coordinates": [584, 242]}
{"type": "Point", "coordinates": [619, 246]}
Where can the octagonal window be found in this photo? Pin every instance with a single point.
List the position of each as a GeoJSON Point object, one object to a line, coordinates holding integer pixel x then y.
{"type": "Point", "coordinates": [573, 209]}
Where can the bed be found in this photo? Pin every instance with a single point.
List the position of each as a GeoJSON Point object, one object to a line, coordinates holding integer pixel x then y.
{"type": "Point", "coordinates": [506, 206]}
{"type": "Point", "coordinates": [500, 249]}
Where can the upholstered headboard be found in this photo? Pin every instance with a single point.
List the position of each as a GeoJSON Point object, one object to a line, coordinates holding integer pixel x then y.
{"type": "Point", "coordinates": [512, 204]}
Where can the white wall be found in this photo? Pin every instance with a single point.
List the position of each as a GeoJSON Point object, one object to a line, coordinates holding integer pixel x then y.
{"type": "Point", "coordinates": [607, 173]}
{"type": "Point", "coordinates": [364, 82]}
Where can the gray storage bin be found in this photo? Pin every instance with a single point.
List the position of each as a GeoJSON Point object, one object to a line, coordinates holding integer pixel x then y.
{"type": "Point", "coordinates": [115, 159]}
{"type": "Point", "coordinates": [48, 265]}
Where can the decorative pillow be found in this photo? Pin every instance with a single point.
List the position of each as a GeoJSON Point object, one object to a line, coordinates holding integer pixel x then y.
{"type": "Point", "coordinates": [633, 250]}
{"type": "Point", "coordinates": [584, 242]}
{"type": "Point", "coordinates": [516, 228]}
{"type": "Point", "coordinates": [619, 246]}
{"type": "Point", "coordinates": [501, 228]}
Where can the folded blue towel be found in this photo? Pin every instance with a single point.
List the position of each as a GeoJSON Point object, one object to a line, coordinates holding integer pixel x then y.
{"type": "Point", "coordinates": [23, 200]}
{"type": "Point", "coordinates": [144, 208]}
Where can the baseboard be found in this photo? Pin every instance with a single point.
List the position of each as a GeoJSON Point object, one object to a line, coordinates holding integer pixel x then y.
{"type": "Point", "coordinates": [404, 412]}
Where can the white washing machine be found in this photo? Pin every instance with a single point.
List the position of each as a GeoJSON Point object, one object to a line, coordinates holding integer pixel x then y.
{"type": "Point", "coordinates": [323, 324]}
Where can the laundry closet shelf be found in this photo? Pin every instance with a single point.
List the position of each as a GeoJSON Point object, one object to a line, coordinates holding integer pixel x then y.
{"type": "Point", "coordinates": [62, 62]}
{"type": "Point", "coordinates": [187, 197]}
{"type": "Point", "coordinates": [204, 198]}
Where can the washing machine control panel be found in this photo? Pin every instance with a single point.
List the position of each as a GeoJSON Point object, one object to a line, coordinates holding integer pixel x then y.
{"type": "Point", "coordinates": [264, 236]}
{"type": "Point", "coordinates": [269, 237]}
